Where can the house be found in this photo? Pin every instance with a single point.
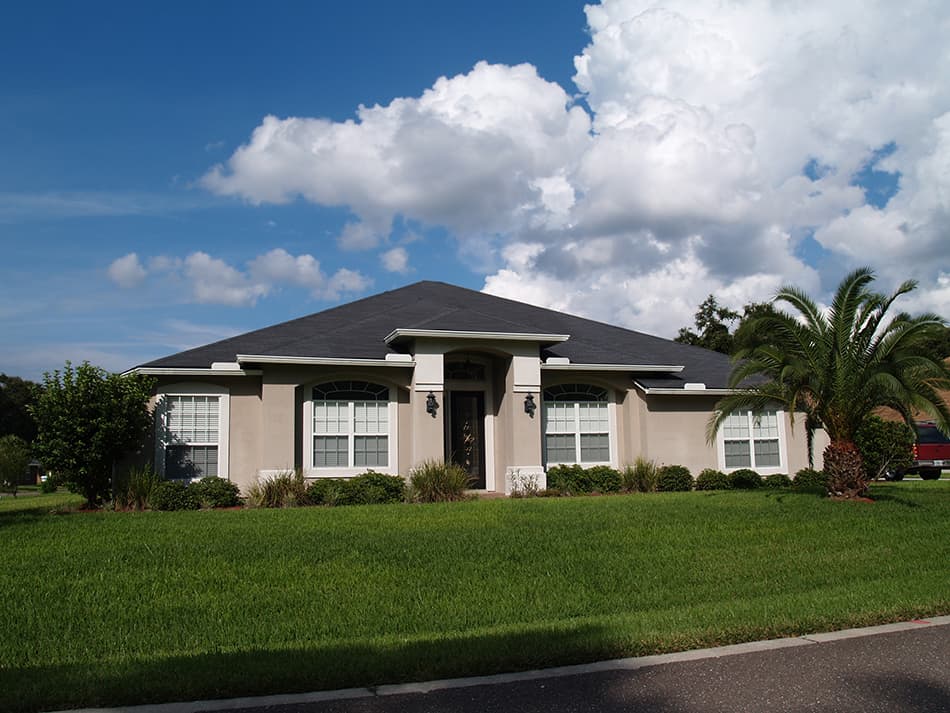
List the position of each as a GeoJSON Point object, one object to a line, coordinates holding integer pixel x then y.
{"type": "Point", "coordinates": [435, 371]}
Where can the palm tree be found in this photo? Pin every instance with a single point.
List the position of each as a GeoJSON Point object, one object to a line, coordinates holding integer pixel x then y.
{"type": "Point", "coordinates": [836, 367]}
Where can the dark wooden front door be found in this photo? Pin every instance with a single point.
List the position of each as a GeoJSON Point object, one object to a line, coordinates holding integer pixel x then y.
{"type": "Point", "coordinates": [466, 434]}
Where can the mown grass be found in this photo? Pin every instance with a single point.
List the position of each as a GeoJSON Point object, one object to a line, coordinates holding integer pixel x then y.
{"type": "Point", "coordinates": [121, 608]}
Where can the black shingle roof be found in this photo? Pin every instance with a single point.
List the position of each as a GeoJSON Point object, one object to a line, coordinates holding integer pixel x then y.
{"type": "Point", "coordinates": [357, 331]}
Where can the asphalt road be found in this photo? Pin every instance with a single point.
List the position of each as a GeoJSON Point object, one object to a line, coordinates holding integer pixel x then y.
{"type": "Point", "coordinates": [905, 672]}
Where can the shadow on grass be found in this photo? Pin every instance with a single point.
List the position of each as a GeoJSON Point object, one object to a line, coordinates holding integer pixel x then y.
{"type": "Point", "coordinates": [26, 689]}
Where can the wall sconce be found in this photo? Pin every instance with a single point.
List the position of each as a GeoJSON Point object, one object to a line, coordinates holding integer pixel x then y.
{"type": "Point", "coordinates": [530, 405]}
{"type": "Point", "coordinates": [431, 404]}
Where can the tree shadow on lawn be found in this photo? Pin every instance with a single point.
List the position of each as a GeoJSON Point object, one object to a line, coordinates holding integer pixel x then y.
{"type": "Point", "coordinates": [25, 689]}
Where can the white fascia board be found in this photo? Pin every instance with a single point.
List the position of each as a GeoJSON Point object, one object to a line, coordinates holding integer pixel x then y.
{"type": "Point", "coordinates": [320, 361]}
{"type": "Point", "coordinates": [684, 392]}
{"type": "Point", "coordinates": [650, 368]}
{"type": "Point", "coordinates": [174, 371]}
{"type": "Point", "coordinates": [454, 334]}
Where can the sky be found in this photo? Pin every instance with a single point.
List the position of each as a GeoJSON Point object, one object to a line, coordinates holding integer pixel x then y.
{"type": "Point", "coordinates": [175, 173]}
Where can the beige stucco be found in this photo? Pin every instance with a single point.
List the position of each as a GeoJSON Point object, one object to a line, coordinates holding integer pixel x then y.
{"type": "Point", "coordinates": [267, 419]}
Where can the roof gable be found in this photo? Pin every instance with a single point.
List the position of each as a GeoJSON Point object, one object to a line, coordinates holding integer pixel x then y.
{"type": "Point", "coordinates": [358, 330]}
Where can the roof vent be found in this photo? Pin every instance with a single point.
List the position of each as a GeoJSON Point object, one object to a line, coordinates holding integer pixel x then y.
{"type": "Point", "coordinates": [694, 386]}
{"type": "Point", "coordinates": [557, 360]}
{"type": "Point", "coordinates": [225, 366]}
{"type": "Point", "coordinates": [399, 357]}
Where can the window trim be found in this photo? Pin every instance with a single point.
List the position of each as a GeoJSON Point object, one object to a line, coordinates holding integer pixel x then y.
{"type": "Point", "coordinates": [611, 427]}
{"type": "Point", "coordinates": [224, 419]}
{"type": "Point", "coordinates": [312, 471]}
{"type": "Point", "coordinates": [782, 466]}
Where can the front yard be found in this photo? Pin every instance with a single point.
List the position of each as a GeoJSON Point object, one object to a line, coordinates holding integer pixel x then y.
{"type": "Point", "coordinates": [121, 608]}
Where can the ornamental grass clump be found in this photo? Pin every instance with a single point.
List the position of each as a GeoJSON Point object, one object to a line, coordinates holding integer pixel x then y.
{"type": "Point", "coordinates": [435, 481]}
{"type": "Point", "coordinates": [641, 477]}
{"type": "Point", "coordinates": [285, 489]}
{"type": "Point", "coordinates": [134, 488]}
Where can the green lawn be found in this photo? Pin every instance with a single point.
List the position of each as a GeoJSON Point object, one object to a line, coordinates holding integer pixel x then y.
{"type": "Point", "coordinates": [121, 608]}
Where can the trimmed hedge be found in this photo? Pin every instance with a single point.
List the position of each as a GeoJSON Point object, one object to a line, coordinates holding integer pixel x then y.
{"type": "Point", "coordinates": [216, 492]}
{"type": "Point", "coordinates": [778, 480]}
{"type": "Point", "coordinates": [174, 495]}
{"type": "Point", "coordinates": [712, 479]}
{"type": "Point", "coordinates": [574, 479]}
{"type": "Point", "coordinates": [674, 478]}
{"type": "Point", "coordinates": [745, 479]}
{"type": "Point", "coordinates": [810, 479]}
{"type": "Point", "coordinates": [369, 488]}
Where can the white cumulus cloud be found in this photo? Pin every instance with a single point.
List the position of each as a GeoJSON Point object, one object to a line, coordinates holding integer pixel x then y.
{"type": "Point", "coordinates": [722, 152]}
{"type": "Point", "coordinates": [127, 271]}
{"type": "Point", "coordinates": [395, 260]}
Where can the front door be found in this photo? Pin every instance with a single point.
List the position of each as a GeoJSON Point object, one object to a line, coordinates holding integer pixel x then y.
{"type": "Point", "coordinates": [466, 434]}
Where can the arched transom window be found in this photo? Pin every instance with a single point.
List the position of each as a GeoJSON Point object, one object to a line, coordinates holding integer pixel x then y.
{"type": "Point", "coordinates": [576, 424]}
{"type": "Point", "coordinates": [350, 425]}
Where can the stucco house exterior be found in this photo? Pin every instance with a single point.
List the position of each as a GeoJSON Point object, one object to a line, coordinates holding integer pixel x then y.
{"type": "Point", "coordinates": [435, 371]}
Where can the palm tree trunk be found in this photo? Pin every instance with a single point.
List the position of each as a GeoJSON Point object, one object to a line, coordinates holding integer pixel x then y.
{"type": "Point", "coordinates": [845, 470]}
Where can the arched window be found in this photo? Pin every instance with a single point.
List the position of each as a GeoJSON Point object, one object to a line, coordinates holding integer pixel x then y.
{"type": "Point", "coordinates": [576, 424]}
{"type": "Point", "coordinates": [350, 425]}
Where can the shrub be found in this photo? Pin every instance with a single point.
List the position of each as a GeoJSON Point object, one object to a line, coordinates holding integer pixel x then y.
{"type": "Point", "coordinates": [436, 481]}
{"type": "Point", "coordinates": [810, 479]}
{"type": "Point", "coordinates": [134, 488]}
{"type": "Point", "coordinates": [49, 485]}
{"type": "Point", "coordinates": [711, 479]}
{"type": "Point", "coordinates": [640, 477]}
{"type": "Point", "coordinates": [174, 495]}
{"type": "Point", "coordinates": [284, 490]}
{"type": "Point", "coordinates": [14, 460]}
{"type": "Point", "coordinates": [672, 478]}
{"type": "Point", "coordinates": [216, 492]}
{"type": "Point", "coordinates": [778, 480]}
{"type": "Point", "coordinates": [573, 479]}
{"type": "Point", "coordinates": [885, 446]}
{"type": "Point", "coordinates": [745, 479]}
{"type": "Point", "coordinates": [327, 491]}
{"type": "Point", "coordinates": [372, 488]}
{"type": "Point", "coordinates": [566, 478]}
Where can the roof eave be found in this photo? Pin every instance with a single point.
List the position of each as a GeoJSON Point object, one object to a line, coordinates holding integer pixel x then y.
{"type": "Point", "coordinates": [401, 334]}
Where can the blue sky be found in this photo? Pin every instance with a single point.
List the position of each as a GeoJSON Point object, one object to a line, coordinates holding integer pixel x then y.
{"type": "Point", "coordinates": [122, 242]}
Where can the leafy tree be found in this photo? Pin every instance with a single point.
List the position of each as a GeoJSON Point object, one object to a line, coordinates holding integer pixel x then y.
{"type": "Point", "coordinates": [87, 420]}
{"type": "Point", "coordinates": [745, 336]}
{"type": "Point", "coordinates": [16, 397]}
{"type": "Point", "coordinates": [884, 446]}
{"type": "Point", "coordinates": [14, 460]}
{"type": "Point", "coordinates": [836, 367]}
{"type": "Point", "coordinates": [711, 320]}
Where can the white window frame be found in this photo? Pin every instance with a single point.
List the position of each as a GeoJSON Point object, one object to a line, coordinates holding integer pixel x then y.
{"type": "Point", "coordinates": [782, 467]}
{"type": "Point", "coordinates": [224, 419]}
{"type": "Point", "coordinates": [312, 471]}
{"type": "Point", "coordinates": [611, 429]}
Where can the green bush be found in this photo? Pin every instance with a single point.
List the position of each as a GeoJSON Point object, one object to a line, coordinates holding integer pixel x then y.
{"type": "Point", "coordinates": [639, 477]}
{"type": "Point", "coordinates": [283, 490]}
{"type": "Point", "coordinates": [216, 492]}
{"type": "Point", "coordinates": [14, 460]}
{"type": "Point", "coordinates": [134, 488]}
{"type": "Point", "coordinates": [373, 488]}
{"type": "Point", "coordinates": [745, 479]}
{"type": "Point", "coordinates": [369, 488]}
{"type": "Point", "coordinates": [711, 479]}
{"type": "Point", "coordinates": [174, 495]}
{"type": "Point", "coordinates": [672, 478]}
{"type": "Point", "coordinates": [435, 481]}
{"type": "Point", "coordinates": [574, 479]}
{"type": "Point", "coordinates": [810, 479]}
{"type": "Point", "coordinates": [48, 485]}
{"type": "Point", "coordinates": [778, 480]}
{"type": "Point", "coordinates": [885, 446]}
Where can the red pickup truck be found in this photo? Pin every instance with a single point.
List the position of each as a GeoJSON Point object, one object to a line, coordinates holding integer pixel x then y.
{"type": "Point", "coordinates": [931, 452]}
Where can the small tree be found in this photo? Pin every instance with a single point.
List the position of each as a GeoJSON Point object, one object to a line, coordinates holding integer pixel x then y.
{"type": "Point", "coordinates": [16, 397]}
{"type": "Point", "coordinates": [14, 460]}
{"type": "Point", "coordinates": [884, 446]}
{"type": "Point", "coordinates": [87, 419]}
